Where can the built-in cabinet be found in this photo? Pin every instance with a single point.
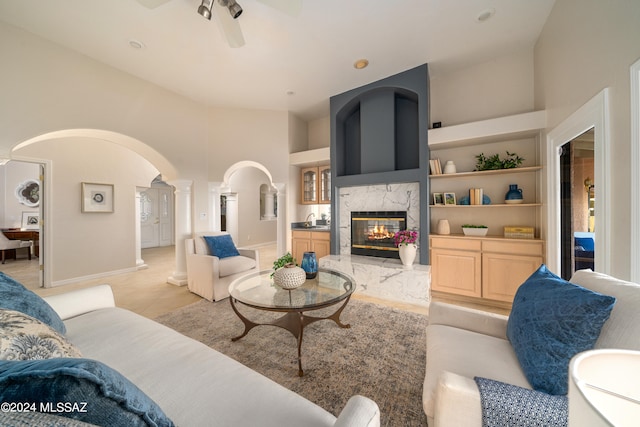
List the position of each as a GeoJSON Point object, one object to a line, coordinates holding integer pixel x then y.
{"type": "Point", "coordinates": [489, 268]}
{"type": "Point", "coordinates": [315, 185]}
{"type": "Point", "coordinates": [306, 241]}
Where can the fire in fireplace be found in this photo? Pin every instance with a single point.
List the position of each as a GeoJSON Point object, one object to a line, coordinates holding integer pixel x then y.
{"type": "Point", "coordinates": [372, 232]}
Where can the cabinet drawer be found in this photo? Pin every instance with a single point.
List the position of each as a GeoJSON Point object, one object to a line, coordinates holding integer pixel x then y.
{"type": "Point", "coordinates": [301, 235]}
{"type": "Point", "coordinates": [461, 244]}
{"type": "Point", "coordinates": [320, 235]}
{"type": "Point", "coordinates": [513, 247]}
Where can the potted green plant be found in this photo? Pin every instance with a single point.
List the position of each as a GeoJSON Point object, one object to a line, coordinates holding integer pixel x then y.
{"type": "Point", "coordinates": [475, 230]}
{"type": "Point", "coordinates": [495, 162]}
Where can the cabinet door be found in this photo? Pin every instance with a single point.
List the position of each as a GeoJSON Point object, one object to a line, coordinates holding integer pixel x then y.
{"type": "Point", "coordinates": [456, 272]}
{"type": "Point", "coordinates": [324, 184]}
{"type": "Point", "coordinates": [502, 274]}
{"type": "Point", "coordinates": [309, 186]}
{"type": "Point", "coordinates": [320, 244]}
{"type": "Point", "coordinates": [300, 243]}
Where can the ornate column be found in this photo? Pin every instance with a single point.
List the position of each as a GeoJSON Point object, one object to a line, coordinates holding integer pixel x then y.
{"type": "Point", "coordinates": [281, 233]}
{"type": "Point", "coordinates": [214, 208]}
{"type": "Point", "coordinates": [183, 229]}
{"type": "Point", "coordinates": [232, 215]}
{"type": "Point", "coordinates": [140, 264]}
{"type": "Point", "coordinates": [269, 203]}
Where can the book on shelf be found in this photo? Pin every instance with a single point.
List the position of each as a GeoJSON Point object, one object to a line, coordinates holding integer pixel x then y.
{"type": "Point", "coordinates": [435, 166]}
{"type": "Point", "coordinates": [475, 196]}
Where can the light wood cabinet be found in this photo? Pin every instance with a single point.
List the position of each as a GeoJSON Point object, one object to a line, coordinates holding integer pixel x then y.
{"type": "Point", "coordinates": [487, 268]}
{"type": "Point", "coordinates": [315, 185]}
{"type": "Point", "coordinates": [305, 241]}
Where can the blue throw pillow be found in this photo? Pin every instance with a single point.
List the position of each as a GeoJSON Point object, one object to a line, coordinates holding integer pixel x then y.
{"type": "Point", "coordinates": [551, 321]}
{"type": "Point", "coordinates": [221, 246]}
{"type": "Point", "coordinates": [82, 389]}
{"type": "Point", "coordinates": [14, 296]}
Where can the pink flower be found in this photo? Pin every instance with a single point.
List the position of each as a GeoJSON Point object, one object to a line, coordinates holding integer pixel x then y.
{"type": "Point", "coordinates": [405, 237]}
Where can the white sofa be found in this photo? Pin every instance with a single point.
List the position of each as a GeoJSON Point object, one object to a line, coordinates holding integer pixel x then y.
{"type": "Point", "coordinates": [210, 276]}
{"type": "Point", "coordinates": [463, 343]}
{"type": "Point", "coordinates": [192, 383]}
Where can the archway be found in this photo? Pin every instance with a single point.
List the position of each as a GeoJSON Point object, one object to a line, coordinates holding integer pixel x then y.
{"type": "Point", "coordinates": [280, 205]}
{"type": "Point", "coordinates": [118, 167]}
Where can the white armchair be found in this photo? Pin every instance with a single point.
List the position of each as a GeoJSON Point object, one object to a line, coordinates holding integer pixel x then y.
{"type": "Point", "coordinates": [210, 276]}
{"type": "Point", "coordinates": [8, 244]}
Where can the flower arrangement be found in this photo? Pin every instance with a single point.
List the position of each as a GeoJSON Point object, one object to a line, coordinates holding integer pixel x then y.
{"type": "Point", "coordinates": [405, 237]}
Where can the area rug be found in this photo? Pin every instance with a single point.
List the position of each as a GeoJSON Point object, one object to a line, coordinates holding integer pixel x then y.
{"type": "Point", "coordinates": [382, 356]}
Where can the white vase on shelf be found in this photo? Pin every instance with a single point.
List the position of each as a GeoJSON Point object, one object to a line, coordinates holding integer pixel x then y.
{"type": "Point", "coordinates": [443, 227]}
{"type": "Point", "coordinates": [450, 167]}
{"type": "Point", "coordinates": [407, 253]}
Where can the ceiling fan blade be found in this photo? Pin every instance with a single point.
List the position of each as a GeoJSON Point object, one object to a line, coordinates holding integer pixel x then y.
{"type": "Point", "coordinates": [290, 7]}
{"type": "Point", "coordinates": [229, 26]}
{"type": "Point", "coordinates": [152, 4]}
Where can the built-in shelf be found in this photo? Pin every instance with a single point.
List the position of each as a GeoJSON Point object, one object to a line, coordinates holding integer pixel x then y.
{"type": "Point", "coordinates": [487, 172]}
{"type": "Point", "coordinates": [492, 205]}
{"type": "Point", "coordinates": [310, 157]}
{"type": "Point", "coordinates": [492, 130]}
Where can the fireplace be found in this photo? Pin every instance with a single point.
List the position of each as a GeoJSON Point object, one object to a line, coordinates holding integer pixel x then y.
{"type": "Point", "coordinates": [372, 232]}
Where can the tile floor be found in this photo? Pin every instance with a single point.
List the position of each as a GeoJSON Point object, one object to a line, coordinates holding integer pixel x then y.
{"type": "Point", "coordinates": [146, 291]}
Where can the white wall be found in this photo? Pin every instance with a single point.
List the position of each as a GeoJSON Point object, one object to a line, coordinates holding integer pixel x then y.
{"type": "Point", "coordinates": [585, 47]}
{"type": "Point", "coordinates": [86, 244]}
{"type": "Point", "coordinates": [184, 140]}
{"type": "Point", "coordinates": [320, 133]}
{"type": "Point", "coordinates": [11, 175]}
{"type": "Point", "coordinates": [501, 87]}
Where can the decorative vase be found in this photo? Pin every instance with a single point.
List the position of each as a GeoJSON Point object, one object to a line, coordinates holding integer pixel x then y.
{"type": "Point", "coordinates": [407, 253]}
{"type": "Point", "coordinates": [310, 264]}
{"type": "Point", "coordinates": [289, 277]}
{"type": "Point", "coordinates": [443, 227]}
{"type": "Point", "coordinates": [514, 195]}
{"type": "Point", "coordinates": [450, 167]}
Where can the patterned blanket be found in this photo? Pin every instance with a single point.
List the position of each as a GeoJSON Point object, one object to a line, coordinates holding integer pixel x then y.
{"type": "Point", "coordinates": [506, 405]}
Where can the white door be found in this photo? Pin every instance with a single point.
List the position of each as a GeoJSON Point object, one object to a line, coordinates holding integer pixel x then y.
{"type": "Point", "coordinates": [156, 217]}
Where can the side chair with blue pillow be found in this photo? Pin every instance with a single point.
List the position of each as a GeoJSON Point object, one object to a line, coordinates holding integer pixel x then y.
{"type": "Point", "coordinates": [214, 261]}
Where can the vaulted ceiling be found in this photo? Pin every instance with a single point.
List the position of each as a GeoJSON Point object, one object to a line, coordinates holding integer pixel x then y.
{"type": "Point", "coordinates": [288, 62]}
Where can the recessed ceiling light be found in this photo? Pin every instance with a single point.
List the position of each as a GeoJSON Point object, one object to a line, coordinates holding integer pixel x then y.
{"type": "Point", "coordinates": [360, 64]}
{"type": "Point", "coordinates": [136, 44]}
{"type": "Point", "coordinates": [485, 15]}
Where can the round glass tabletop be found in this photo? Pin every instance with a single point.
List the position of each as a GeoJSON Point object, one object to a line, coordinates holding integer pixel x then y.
{"type": "Point", "coordinates": [258, 290]}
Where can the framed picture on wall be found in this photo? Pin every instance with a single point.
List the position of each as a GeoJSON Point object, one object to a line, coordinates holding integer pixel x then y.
{"type": "Point", "coordinates": [30, 220]}
{"type": "Point", "coordinates": [97, 197]}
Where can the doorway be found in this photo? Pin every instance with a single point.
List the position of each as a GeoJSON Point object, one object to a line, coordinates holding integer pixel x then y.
{"type": "Point", "coordinates": [577, 194]}
{"type": "Point", "coordinates": [592, 115]}
{"type": "Point", "coordinates": [156, 215]}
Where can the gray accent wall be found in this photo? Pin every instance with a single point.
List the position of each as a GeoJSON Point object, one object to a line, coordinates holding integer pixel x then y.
{"type": "Point", "coordinates": [379, 136]}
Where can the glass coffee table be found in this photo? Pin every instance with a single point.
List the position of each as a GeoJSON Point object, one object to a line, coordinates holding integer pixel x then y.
{"type": "Point", "coordinates": [258, 291]}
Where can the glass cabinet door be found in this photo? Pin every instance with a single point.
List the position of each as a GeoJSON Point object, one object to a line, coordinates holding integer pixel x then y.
{"type": "Point", "coordinates": [309, 186]}
{"type": "Point", "coordinates": [324, 173]}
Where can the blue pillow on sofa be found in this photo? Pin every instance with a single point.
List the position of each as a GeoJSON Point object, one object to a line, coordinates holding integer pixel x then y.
{"type": "Point", "coordinates": [14, 296]}
{"type": "Point", "coordinates": [65, 384]}
{"type": "Point", "coordinates": [221, 246]}
{"type": "Point", "coordinates": [551, 321]}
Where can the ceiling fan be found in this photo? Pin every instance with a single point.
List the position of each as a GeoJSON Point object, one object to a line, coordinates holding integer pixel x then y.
{"type": "Point", "coordinates": [227, 11]}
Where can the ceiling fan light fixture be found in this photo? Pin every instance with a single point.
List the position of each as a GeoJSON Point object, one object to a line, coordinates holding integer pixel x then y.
{"type": "Point", "coordinates": [205, 9]}
{"type": "Point", "coordinates": [234, 9]}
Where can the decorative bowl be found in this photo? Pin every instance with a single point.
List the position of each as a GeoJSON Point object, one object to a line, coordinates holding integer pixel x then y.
{"type": "Point", "coordinates": [468, 231]}
{"type": "Point", "coordinates": [289, 277]}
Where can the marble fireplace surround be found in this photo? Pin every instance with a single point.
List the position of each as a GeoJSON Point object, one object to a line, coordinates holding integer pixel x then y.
{"type": "Point", "coordinates": [382, 197]}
